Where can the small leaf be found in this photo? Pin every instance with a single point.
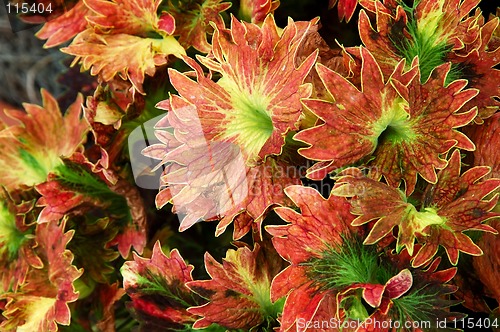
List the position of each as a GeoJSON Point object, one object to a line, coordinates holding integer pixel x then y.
{"type": "Point", "coordinates": [239, 291]}
{"type": "Point", "coordinates": [157, 287]}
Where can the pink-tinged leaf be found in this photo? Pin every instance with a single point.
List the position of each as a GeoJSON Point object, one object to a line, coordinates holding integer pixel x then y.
{"type": "Point", "coordinates": [208, 180]}
{"type": "Point", "coordinates": [193, 21]}
{"type": "Point", "coordinates": [372, 294]}
{"type": "Point", "coordinates": [122, 55]}
{"type": "Point", "coordinates": [250, 105]}
{"type": "Point", "coordinates": [32, 148]}
{"type": "Point", "coordinates": [257, 11]}
{"type": "Point", "coordinates": [66, 26]}
{"type": "Point", "coordinates": [42, 302]}
{"type": "Point", "coordinates": [398, 285]}
{"type": "Point", "coordinates": [167, 23]}
{"type": "Point", "coordinates": [160, 280]}
{"type": "Point", "coordinates": [239, 291]}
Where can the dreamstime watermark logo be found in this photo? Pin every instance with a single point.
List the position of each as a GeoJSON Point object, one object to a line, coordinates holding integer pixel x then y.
{"type": "Point", "coordinates": [207, 178]}
{"type": "Point", "coordinates": [26, 14]}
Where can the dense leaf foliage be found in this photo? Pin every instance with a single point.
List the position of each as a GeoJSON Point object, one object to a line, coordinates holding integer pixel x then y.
{"type": "Point", "coordinates": [342, 176]}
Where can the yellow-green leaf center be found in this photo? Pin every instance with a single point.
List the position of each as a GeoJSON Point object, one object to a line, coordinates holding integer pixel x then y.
{"type": "Point", "coordinates": [394, 125]}
{"type": "Point", "coordinates": [11, 238]}
{"type": "Point", "coordinates": [249, 122]}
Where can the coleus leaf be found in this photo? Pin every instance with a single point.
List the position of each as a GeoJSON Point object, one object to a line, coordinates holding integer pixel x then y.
{"type": "Point", "coordinates": [42, 302]}
{"type": "Point", "coordinates": [91, 247]}
{"type": "Point", "coordinates": [193, 21]}
{"type": "Point", "coordinates": [320, 225]}
{"type": "Point", "coordinates": [132, 234]}
{"type": "Point", "coordinates": [487, 265]}
{"type": "Point", "coordinates": [66, 26]}
{"type": "Point", "coordinates": [345, 8]}
{"type": "Point", "coordinates": [486, 137]}
{"type": "Point", "coordinates": [208, 180]}
{"type": "Point", "coordinates": [16, 242]}
{"type": "Point", "coordinates": [129, 17]}
{"type": "Point", "coordinates": [250, 105]}
{"type": "Point", "coordinates": [34, 148]}
{"type": "Point", "coordinates": [73, 190]}
{"type": "Point", "coordinates": [409, 127]}
{"type": "Point", "coordinates": [453, 205]}
{"type": "Point", "coordinates": [157, 287]}
{"type": "Point", "coordinates": [100, 54]}
{"type": "Point", "coordinates": [429, 30]}
{"type": "Point", "coordinates": [478, 62]}
{"type": "Point", "coordinates": [238, 293]}
{"type": "Point", "coordinates": [56, 200]}
{"type": "Point", "coordinates": [109, 295]}
{"type": "Point", "coordinates": [256, 11]}
{"type": "Point", "coordinates": [377, 295]}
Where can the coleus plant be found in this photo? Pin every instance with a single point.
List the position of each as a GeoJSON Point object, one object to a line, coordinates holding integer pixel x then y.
{"type": "Point", "coordinates": [341, 180]}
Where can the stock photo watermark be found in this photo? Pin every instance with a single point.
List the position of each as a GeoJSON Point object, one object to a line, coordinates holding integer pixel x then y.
{"type": "Point", "coordinates": [26, 14]}
{"type": "Point", "coordinates": [409, 325]}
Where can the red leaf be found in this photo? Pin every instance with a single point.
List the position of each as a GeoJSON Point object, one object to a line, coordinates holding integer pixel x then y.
{"type": "Point", "coordinates": [257, 11]}
{"type": "Point", "coordinates": [56, 200]}
{"type": "Point", "coordinates": [453, 205]}
{"type": "Point", "coordinates": [66, 26]}
{"type": "Point", "coordinates": [193, 22]}
{"type": "Point", "coordinates": [318, 227]}
{"type": "Point", "coordinates": [239, 291]}
{"type": "Point", "coordinates": [160, 280]}
{"type": "Point", "coordinates": [409, 127]}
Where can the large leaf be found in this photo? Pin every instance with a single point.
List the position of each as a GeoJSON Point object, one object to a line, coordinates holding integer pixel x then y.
{"type": "Point", "coordinates": [404, 125]}
{"type": "Point", "coordinates": [429, 30]}
{"type": "Point", "coordinates": [456, 203]}
{"type": "Point", "coordinates": [250, 105]}
{"type": "Point", "coordinates": [208, 180]}
{"type": "Point", "coordinates": [309, 234]}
